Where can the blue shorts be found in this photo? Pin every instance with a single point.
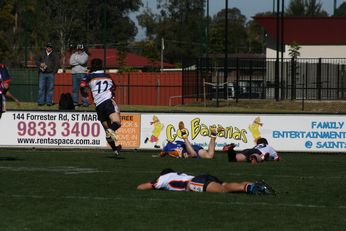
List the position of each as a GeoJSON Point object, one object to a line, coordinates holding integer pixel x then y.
{"type": "Point", "coordinates": [105, 109]}
{"type": "Point", "coordinates": [172, 146]}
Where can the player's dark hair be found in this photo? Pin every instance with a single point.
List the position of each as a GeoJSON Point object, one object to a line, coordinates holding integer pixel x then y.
{"type": "Point", "coordinates": [166, 171]}
{"type": "Point", "coordinates": [262, 141]}
{"type": "Point", "coordinates": [96, 65]}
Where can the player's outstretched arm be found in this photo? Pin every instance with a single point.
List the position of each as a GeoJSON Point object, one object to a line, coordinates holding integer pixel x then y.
{"type": "Point", "coordinates": [145, 186]}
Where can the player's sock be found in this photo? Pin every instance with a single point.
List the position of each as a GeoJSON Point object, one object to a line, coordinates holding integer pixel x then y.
{"type": "Point", "coordinates": [231, 155]}
{"type": "Point", "coordinates": [213, 131]}
{"type": "Point", "coordinates": [249, 188]}
{"type": "Point", "coordinates": [115, 148]}
{"type": "Point", "coordinates": [115, 126]}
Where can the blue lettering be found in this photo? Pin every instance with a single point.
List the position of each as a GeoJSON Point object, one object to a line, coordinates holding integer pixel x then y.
{"type": "Point", "coordinates": [330, 145]}
{"type": "Point", "coordinates": [327, 125]}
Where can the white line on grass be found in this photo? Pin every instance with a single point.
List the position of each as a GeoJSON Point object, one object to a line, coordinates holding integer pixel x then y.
{"type": "Point", "coordinates": [62, 169]}
{"type": "Point", "coordinates": [264, 204]}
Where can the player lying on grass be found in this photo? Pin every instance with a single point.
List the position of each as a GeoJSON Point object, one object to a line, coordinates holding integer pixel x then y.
{"type": "Point", "coordinates": [102, 88]}
{"type": "Point", "coordinates": [178, 181]}
{"type": "Point", "coordinates": [261, 152]}
{"type": "Point", "coordinates": [184, 149]}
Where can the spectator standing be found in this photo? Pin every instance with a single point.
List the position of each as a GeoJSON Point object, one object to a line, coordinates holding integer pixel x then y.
{"type": "Point", "coordinates": [47, 61]}
{"type": "Point", "coordinates": [78, 61]}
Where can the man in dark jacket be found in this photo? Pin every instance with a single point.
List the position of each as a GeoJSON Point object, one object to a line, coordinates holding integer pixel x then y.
{"type": "Point", "coordinates": [47, 62]}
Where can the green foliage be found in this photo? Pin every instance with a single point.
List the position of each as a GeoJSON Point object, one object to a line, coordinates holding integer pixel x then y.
{"type": "Point", "coordinates": [34, 22]}
{"type": "Point", "coordinates": [341, 10]}
{"type": "Point", "coordinates": [180, 23]}
{"type": "Point", "coordinates": [256, 34]}
{"type": "Point", "coordinates": [7, 20]}
{"type": "Point", "coordinates": [294, 50]}
{"type": "Point", "coordinates": [305, 8]}
{"type": "Point", "coordinates": [237, 36]}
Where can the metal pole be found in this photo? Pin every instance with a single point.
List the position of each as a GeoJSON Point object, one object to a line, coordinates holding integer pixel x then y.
{"type": "Point", "coordinates": [282, 46]}
{"type": "Point", "coordinates": [162, 48]}
{"type": "Point", "coordinates": [334, 7]}
{"type": "Point", "coordinates": [277, 77]}
{"type": "Point", "coordinates": [207, 31]}
{"type": "Point", "coordinates": [225, 76]}
{"type": "Point", "coordinates": [104, 34]}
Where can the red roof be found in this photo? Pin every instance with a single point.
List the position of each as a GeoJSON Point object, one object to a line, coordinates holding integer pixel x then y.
{"type": "Point", "coordinates": [308, 30]}
{"type": "Point", "coordinates": [131, 60]}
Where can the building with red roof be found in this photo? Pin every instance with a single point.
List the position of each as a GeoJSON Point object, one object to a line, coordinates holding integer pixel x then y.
{"type": "Point", "coordinates": [131, 60]}
{"type": "Point", "coordinates": [318, 37]}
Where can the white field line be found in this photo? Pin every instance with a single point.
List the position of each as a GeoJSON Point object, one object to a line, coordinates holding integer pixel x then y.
{"type": "Point", "coordinates": [251, 204]}
{"type": "Point", "coordinates": [58, 169]}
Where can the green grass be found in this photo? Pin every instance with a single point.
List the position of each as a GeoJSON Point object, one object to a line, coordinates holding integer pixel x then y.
{"type": "Point", "coordinates": [90, 190]}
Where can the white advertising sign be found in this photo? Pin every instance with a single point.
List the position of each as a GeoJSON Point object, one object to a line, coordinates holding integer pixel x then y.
{"type": "Point", "coordinates": [51, 129]}
{"type": "Point", "coordinates": [285, 132]}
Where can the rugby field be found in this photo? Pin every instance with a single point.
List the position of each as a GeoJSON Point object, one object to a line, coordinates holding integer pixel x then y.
{"type": "Point", "coordinates": [90, 190]}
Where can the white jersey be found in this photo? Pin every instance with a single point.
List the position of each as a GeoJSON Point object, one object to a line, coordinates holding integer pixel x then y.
{"type": "Point", "coordinates": [173, 181]}
{"type": "Point", "coordinates": [266, 149]}
{"type": "Point", "coordinates": [101, 86]}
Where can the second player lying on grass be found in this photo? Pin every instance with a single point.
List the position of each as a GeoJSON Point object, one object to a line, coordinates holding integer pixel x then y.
{"type": "Point", "coordinates": [261, 152]}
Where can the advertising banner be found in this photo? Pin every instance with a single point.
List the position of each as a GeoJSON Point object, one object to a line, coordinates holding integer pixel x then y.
{"type": "Point", "coordinates": [285, 132]}
{"type": "Point", "coordinates": [63, 129]}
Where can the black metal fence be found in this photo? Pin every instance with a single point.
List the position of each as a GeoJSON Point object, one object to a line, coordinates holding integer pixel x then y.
{"type": "Point", "coordinates": [261, 78]}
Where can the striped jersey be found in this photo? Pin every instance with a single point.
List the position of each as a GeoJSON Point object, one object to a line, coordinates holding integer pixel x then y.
{"type": "Point", "coordinates": [172, 181]}
{"type": "Point", "coordinates": [101, 86]}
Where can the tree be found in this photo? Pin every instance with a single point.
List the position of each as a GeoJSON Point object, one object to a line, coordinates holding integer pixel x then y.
{"type": "Point", "coordinates": [305, 8]}
{"type": "Point", "coordinates": [237, 37]}
{"type": "Point", "coordinates": [341, 10]}
{"type": "Point", "coordinates": [35, 22]}
{"type": "Point", "coordinates": [294, 50]}
{"type": "Point", "coordinates": [180, 23]}
{"type": "Point", "coordinates": [256, 34]}
{"type": "Point", "coordinates": [7, 23]}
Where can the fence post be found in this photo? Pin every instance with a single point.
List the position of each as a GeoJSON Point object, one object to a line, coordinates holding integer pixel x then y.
{"type": "Point", "coordinates": [158, 91]}
{"type": "Point", "coordinates": [128, 88]}
{"type": "Point", "coordinates": [319, 79]}
{"type": "Point", "coordinates": [342, 80]}
{"type": "Point", "coordinates": [293, 79]}
{"type": "Point", "coordinates": [250, 92]}
{"type": "Point", "coordinates": [237, 81]}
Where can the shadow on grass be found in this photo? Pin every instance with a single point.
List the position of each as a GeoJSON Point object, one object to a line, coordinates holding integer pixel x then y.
{"type": "Point", "coordinates": [116, 158]}
{"type": "Point", "coordinates": [8, 158]}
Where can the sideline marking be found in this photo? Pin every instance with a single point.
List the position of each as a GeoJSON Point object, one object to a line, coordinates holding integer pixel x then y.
{"type": "Point", "coordinates": [295, 205]}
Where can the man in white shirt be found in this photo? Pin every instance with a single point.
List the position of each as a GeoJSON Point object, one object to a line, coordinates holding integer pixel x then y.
{"type": "Point", "coordinates": [78, 62]}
